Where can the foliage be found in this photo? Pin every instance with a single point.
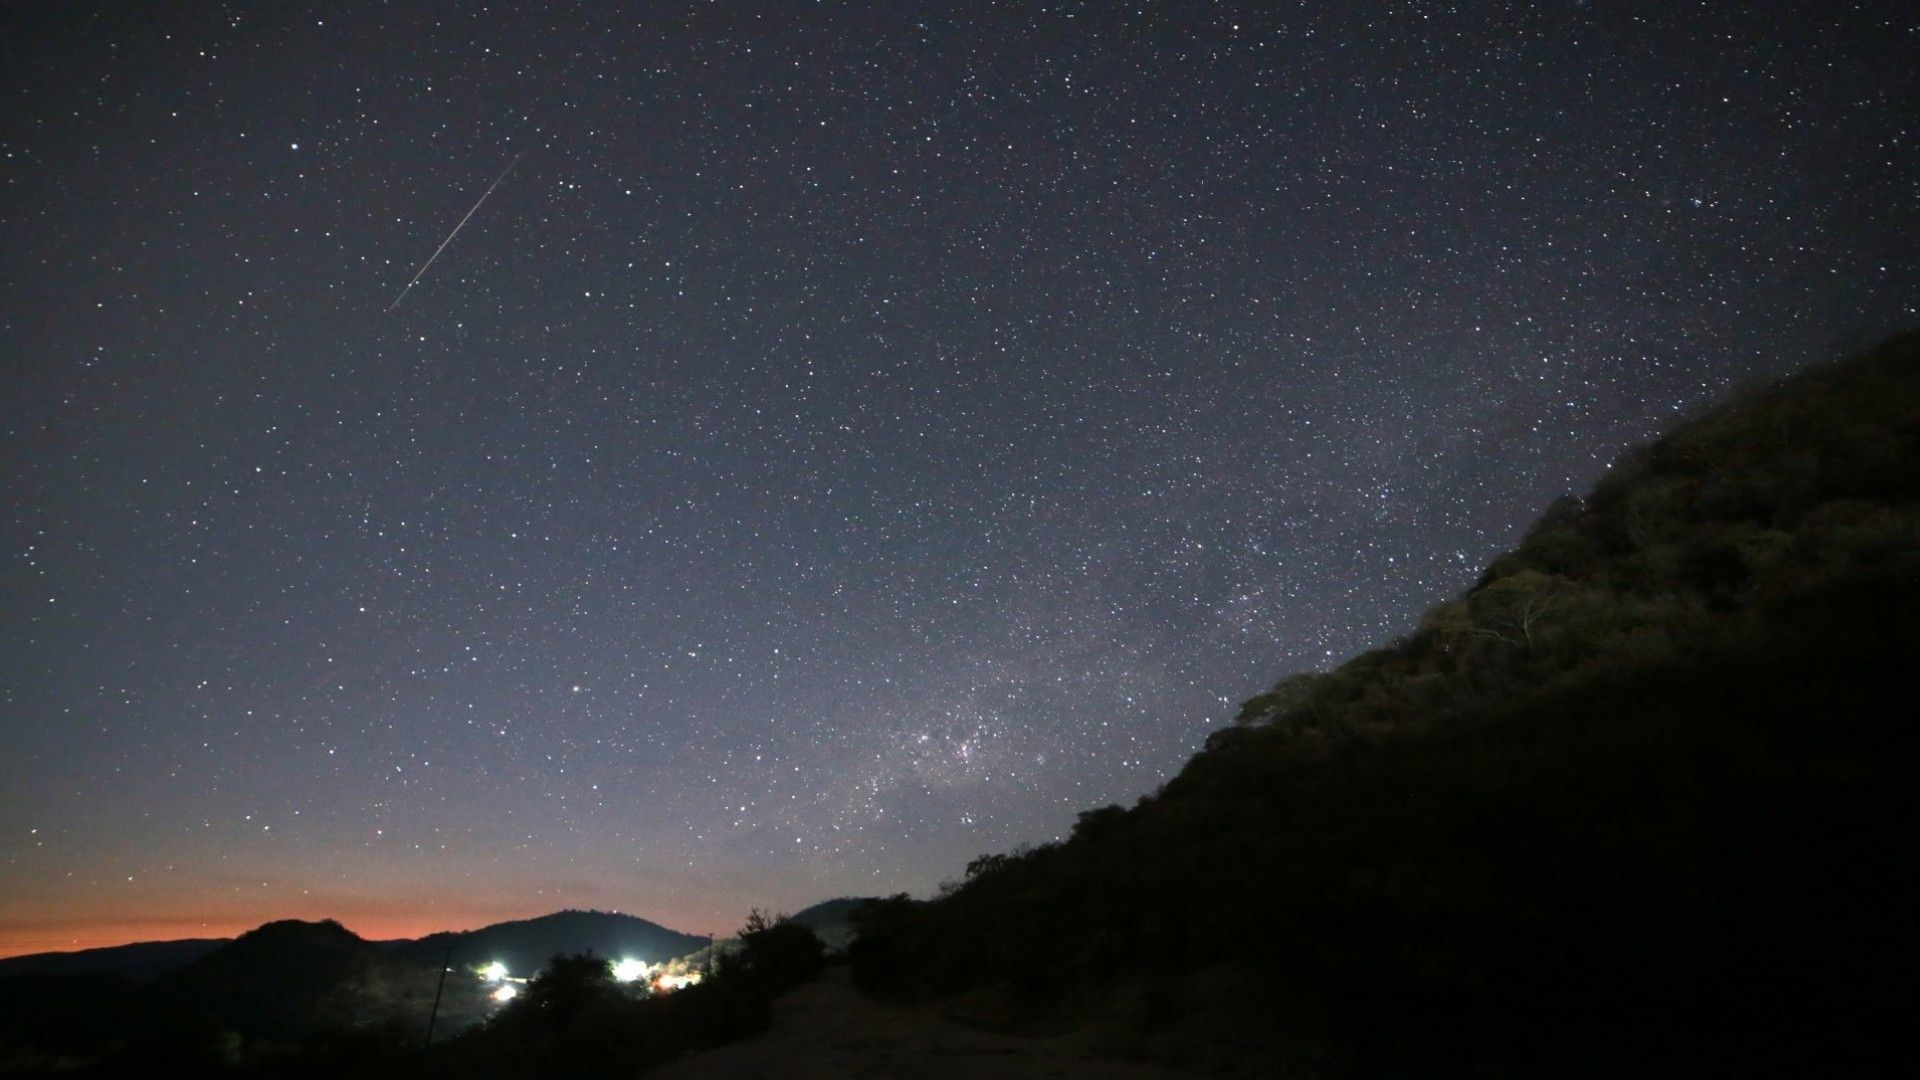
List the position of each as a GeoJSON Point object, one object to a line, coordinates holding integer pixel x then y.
{"type": "Point", "coordinates": [571, 986]}
{"type": "Point", "coordinates": [574, 1020]}
{"type": "Point", "coordinates": [571, 1020]}
{"type": "Point", "coordinates": [778, 953]}
{"type": "Point", "coordinates": [1637, 802]}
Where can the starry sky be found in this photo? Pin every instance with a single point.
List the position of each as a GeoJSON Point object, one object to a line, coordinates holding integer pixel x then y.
{"type": "Point", "coordinates": [852, 437]}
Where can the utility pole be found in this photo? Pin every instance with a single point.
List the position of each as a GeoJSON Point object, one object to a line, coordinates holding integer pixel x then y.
{"type": "Point", "coordinates": [446, 963]}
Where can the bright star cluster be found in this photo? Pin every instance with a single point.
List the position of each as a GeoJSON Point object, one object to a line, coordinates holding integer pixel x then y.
{"type": "Point", "coordinates": [851, 439]}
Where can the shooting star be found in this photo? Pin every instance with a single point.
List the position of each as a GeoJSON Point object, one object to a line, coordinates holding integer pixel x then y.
{"type": "Point", "coordinates": [456, 231]}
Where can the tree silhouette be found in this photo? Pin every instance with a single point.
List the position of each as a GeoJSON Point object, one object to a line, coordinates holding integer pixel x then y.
{"type": "Point", "coordinates": [572, 985]}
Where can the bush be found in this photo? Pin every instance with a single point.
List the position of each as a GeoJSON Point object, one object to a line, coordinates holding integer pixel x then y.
{"type": "Point", "coordinates": [778, 952]}
{"type": "Point", "coordinates": [1636, 804]}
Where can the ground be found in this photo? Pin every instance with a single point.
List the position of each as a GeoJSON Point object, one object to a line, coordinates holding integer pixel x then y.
{"type": "Point", "coordinates": [826, 1029]}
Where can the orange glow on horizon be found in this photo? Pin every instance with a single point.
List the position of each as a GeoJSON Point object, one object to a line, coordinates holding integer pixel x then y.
{"type": "Point", "coordinates": [69, 931]}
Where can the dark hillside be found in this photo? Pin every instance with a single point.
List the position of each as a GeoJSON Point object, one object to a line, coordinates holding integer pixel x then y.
{"type": "Point", "coordinates": [831, 920]}
{"type": "Point", "coordinates": [526, 945]}
{"type": "Point", "coordinates": [142, 961]}
{"type": "Point", "coordinates": [288, 987]}
{"type": "Point", "coordinates": [286, 980]}
{"type": "Point", "coordinates": [1640, 801]}
{"type": "Point", "coordinates": [46, 1018]}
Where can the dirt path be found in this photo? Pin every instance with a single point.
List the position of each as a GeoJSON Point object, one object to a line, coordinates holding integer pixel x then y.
{"type": "Point", "coordinates": [826, 1029]}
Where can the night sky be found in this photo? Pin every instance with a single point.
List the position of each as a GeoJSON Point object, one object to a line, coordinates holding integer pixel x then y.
{"type": "Point", "coordinates": [851, 439]}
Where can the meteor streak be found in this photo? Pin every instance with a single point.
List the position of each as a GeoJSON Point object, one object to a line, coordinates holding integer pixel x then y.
{"type": "Point", "coordinates": [456, 231]}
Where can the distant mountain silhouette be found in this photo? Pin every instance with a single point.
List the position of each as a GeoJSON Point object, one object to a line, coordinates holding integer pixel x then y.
{"type": "Point", "coordinates": [831, 920]}
{"type": "Point", "coordinates": [185, 1000]}
{"type": "Point", "coordinates": [526, 945]}
{"type": "Point", "coordinates": [142, 961]}
{"type": "Point", "coordinates": [288, 979]}
{"type": "Point", "coordinates": [200, 1002]}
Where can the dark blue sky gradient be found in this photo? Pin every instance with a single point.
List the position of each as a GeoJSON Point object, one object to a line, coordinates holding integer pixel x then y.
{"type": "Point", "coordinates": [854, 438]}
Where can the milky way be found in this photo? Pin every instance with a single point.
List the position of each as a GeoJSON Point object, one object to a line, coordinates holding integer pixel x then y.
{"type": "Point", "coordinates": [857, 438]}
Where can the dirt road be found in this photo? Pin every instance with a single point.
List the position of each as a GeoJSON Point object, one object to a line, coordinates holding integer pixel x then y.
{"type": "Point", "coordinates": [826, 1029]}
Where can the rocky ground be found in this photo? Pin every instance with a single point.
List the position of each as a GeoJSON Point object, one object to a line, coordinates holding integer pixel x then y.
{"type": "Point", "coordinates": [826, 1029]}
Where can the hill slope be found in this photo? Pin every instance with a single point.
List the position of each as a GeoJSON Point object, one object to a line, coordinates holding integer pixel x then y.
{"type": "Point", "coordinates": [286, 980]}
{"type": "Point", "coordinates": [141, 961]}
{"type": "Point", "coordinates": [1640, 801]}
{"type": "Point", "coordinates": [526, 945]}
{"type": "Point", "coordinates": [831, 920]}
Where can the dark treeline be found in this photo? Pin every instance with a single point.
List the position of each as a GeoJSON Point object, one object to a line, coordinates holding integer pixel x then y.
{"type": "Point", "coordinates": [1641, 801]}
{"type": "Point", "coordinates": [572, 1020]}
{"type": "Point", "coordinates": [575, 1021]}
